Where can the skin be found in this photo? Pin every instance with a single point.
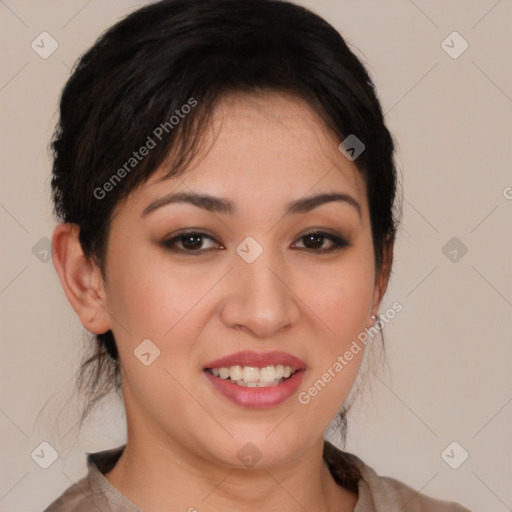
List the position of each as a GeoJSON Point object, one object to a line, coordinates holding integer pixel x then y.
{"type": "Point", "coordinates": [183, 436]}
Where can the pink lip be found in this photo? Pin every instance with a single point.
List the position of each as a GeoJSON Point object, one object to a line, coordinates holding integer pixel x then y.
{"type": "Point", "coordinates": [257, 398]}
{"type": "Point", "coordinates": [258, 360]}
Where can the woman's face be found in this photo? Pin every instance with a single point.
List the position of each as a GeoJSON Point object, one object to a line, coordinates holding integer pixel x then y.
{"type": "Point", "coordinates": [248, 285]}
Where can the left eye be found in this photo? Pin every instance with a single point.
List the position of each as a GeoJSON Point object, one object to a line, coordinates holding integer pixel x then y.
{"type": "Point", "coordinates": [316, 239]}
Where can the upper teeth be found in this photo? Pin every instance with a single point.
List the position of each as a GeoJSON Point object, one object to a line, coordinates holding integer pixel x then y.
{"type": "Point", "coordinates": [248, 374]}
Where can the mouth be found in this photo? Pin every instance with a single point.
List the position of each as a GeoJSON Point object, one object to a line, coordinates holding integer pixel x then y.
{"type": "Point", "coordinates": [256, 380]}
{"type": "Point", "coordinates": [252, 376]}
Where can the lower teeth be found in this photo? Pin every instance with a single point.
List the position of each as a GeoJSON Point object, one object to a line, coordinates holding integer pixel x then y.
{"type": "Point", "coordinates": [256, 384]}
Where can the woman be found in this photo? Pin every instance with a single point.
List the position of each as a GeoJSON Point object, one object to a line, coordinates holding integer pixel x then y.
{"type": "Point", "coordinates": [225, 187]}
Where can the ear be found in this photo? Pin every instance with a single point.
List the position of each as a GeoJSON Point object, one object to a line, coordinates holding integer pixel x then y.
{"type": "Point", "coordinates": [382, 279]}
{"type": "Point", "coordinates": [80, 278]}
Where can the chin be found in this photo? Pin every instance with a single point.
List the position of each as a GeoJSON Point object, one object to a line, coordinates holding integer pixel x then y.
{"type": "Point", "coordinates": [255, 448]}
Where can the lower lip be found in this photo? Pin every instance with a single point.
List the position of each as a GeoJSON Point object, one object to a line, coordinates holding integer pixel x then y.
{"type": "Point", "coordinates": [257, 398]}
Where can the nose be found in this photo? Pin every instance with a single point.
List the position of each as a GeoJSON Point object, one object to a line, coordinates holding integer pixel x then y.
{"type": "Point", "coordinates": [261, 301]}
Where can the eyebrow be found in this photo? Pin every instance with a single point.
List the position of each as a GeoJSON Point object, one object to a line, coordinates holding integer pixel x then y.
{"type": "Point", "coordinates": [225, 206]}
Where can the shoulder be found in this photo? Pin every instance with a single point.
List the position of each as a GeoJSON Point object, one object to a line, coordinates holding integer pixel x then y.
{"type": "Point", "coordinates": [76, 498]}
{"type": "Point", "coordinates": [94, 492]}
{"type": "Point", "coordinates": [388, 494]}
{"type": "Point", "coordinates": [384, 494]}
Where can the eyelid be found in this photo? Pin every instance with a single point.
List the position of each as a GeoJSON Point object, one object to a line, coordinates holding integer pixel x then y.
{"type": "Point", "coordinates": [188, 231]}
{"type": "Point", "coordinates": [320, 231]}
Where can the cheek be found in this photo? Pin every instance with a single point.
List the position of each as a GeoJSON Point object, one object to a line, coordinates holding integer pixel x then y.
{"type": "Point", "coordinates": [345, 304]}
{"type": "Point", "coordinates": [340, 297]}
{"type": "Point", "coordinates": [151, 296]}
{"type": "Point", "coordinates": [340, 311]}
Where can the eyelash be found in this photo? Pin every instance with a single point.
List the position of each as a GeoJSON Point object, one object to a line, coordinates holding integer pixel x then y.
{"type": "Point", "coordinates": [339, 243]}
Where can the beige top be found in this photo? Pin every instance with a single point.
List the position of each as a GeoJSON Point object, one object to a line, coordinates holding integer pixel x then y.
{"type": "Point", "coordinates": [94, 493]}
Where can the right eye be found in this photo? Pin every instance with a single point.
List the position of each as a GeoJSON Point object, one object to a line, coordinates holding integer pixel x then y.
{"type": "Point", "coordinates": [191, 242]}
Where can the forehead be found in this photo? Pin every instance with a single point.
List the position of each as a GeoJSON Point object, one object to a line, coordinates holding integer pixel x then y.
{"type": "Point", "coordinates": [264, 149]}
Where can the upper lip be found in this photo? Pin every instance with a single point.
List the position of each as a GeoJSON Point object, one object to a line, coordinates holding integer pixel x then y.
{"type": "Point", "coordinates": [258, 360]}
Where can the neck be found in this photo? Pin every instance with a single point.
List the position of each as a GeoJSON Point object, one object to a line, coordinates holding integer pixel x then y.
{"type": "Point", "coordinates": [157, 475]}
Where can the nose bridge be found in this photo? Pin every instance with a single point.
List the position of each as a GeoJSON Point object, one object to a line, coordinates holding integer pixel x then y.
{"type": "Point", "coordinates": [260, 301]}
{"type": "Point", "coordinates": [259, 281]}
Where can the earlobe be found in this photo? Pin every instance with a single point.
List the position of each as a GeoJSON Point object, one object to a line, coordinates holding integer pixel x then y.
{"type": "Point", "coordinates": [80, 278]}
{"type": "Point", "coordinates": [382, 280]}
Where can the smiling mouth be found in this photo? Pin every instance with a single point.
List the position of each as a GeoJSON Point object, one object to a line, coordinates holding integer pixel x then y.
{"type": "Point", "coordinates": [252, 376]}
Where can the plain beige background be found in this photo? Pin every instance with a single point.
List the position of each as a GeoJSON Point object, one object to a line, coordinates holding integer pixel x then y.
{"type": "Point", "coordinates": [449, 350]}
